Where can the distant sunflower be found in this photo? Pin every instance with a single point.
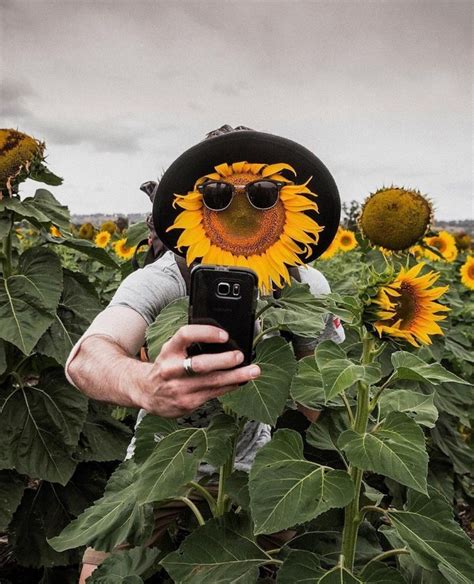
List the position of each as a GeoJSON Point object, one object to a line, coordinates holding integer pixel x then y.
{"type": "Point", "coordinates": [108, 226]}
{"type": "Point", "coordinates": [55, 231]}
{"type": "Point", "coordinates": [122, 250]}
{"type": "Point", "coordinates": [87, 231]}
{"type": "Point", "coordinates": [347, 240]}
{"type": "Point", "coordinates": [445, 243]}
{"type": "Point", "coordinates": [268, 241]}
{"type": "Point", "coordinates": [395, 218]}
{"type": "Point", "coordinates": [102, 239]}
{"type": "Point", "coordinates": [467, 273]}
{"type": "Point", "coordinates": [407, 307]}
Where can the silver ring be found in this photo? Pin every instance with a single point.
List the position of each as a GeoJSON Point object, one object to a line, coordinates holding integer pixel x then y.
{"type": "Point", "coordinates": [188, 367]}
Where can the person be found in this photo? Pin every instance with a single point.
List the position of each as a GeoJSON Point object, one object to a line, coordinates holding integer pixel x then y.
{"type": "Point", "coordinates": [239, 197]}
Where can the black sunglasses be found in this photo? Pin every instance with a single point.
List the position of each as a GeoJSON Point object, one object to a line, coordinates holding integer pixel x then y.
{"type": "Point", "coordinates": [262, 194]}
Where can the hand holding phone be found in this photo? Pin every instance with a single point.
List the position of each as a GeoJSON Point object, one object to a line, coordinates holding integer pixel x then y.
{"type": "Point", "coordinates": [225, 297]}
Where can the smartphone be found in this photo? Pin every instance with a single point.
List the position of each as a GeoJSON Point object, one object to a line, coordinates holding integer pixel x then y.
{"type": "Point", "coordinates": [225, 297]}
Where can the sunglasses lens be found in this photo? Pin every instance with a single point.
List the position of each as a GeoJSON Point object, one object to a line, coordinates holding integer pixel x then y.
{"type": "Point", "coordinates": [263, 194]}
{"type": "Point", "coordinates": [216, 195]}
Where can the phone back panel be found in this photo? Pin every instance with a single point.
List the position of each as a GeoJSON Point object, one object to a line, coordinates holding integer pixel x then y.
{"type": "Point", "coordinates": [224, 297]}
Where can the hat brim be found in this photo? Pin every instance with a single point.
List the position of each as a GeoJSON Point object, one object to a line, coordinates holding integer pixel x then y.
{"type": "Point", "coordinates": [253, 147]}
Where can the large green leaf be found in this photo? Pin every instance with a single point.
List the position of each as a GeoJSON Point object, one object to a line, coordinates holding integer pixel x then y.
{"type": "Point", "coordinates": [40, 426]}
{"type": "Point", "coordinates": [307, 385]}
{"type": "Point", "coordinates": [170, 319]}
{"type": "Point", "coordinates": [339, 373]}
{"type": "Point", "coordinates": [221, 434]}
{"type": "Point", "coordinates": [302, 567]}
{"type": "Point", "coordinates": [148, 433]}
{"type": "Point", "coordinates": [25, 210]}
{"type": "Point", "coordinates": [103, 438]}
{"type": "Point", "coordinates": [12, 486]}
{"type": "Point", "coordinates": [121, 565]}
{"type": "Point", "coordinates": [137, 232]}
{"type": "Point", "coordinates": [286, 489]}
{"type": "Point", "coordinates": [395, 449]}
{"type": "Point", "coordinates": [114, 519]}
{"type": "Point", "coordinates": [78, 306]}
{"type": "Point", "coordinates": [404, 400]}
{"type": "Point", "coordinates": [379, 573]}
{"type": "Point", "coordinates": [434, 539]}
{"type": "Point", "coordinates": [28, 299]}
{"type": "Point", "coordinates": [221, 551]}
{"type": "Point", "coordinates": [299, 321]}
{"type": "Point", "coordinates": [409, 366]}
{"type": "Point", "coordinates": [86, 247]}
{"type": "Point", "coordinates": [171, 465]}
{"type": "Point", "coordinates": [264, 398]}
{"type": "Point", "coordinates": [50, 207]}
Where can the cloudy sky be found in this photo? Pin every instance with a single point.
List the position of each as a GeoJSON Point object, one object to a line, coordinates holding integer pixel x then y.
{"type": "Point", "coordinates": [380, 90]}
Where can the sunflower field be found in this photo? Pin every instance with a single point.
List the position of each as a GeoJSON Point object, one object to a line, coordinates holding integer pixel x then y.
{"type": "Point", "coordinates": [378, 490]}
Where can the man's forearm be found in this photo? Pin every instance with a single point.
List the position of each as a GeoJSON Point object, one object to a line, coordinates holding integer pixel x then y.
{"type": "Point", "coordinates": [104, 371]}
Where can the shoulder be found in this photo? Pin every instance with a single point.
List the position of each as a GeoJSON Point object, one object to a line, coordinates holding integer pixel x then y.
{"type": "Point", "coordinates": [317, 282]}
{"type": "Point", "coordinates": [149, 289]}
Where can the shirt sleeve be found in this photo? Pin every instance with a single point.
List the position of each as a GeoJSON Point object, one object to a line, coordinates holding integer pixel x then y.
{"type": "Point", "coordinates": [333, 330]}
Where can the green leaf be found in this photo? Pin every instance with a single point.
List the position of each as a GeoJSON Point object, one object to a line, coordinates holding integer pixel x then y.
{"type": "Point", "coordinates": [300, 322]}
{"type": "Point", "coordinates": [86, 247]}
{"type": "Point", "coordinates": [404, 400]}
{"type": "Point", "coordinates": [221, 551]}
{"type": "Point", "coordinates": [28, 299]}
{"type": "Point", "coordinates": [237, 487]}
{"type": "Point", "coordinates": [50, 207]}
{"type": "Point", "coordinates": [103, 438]}
{"type": "Point", "coordinates": [78, 306]}
{"type": "Point", "coordinates": [42, 174]}
{"type": "Point", "coordinates": [3, 357]}
{"type": "Point", "coordinates": [170, 319]}
{"type": "Point", "coordinates": [221, 434]}
{"type": "Point", "coordinates": [324, 433]}
{"type": "Point", "coordinates": [114, 519]}
{"type": "Point", "coordinates": [40, 425]}
{"type": "Point", "coordinates": [148, 432]}
{"type": "Point", "coordinates": [264, 398]}
{"type": "Point", "coordinates": [137, 232]}
{"type": "Point", "coordinates": [379, 573]}
{"type": "Point", "coordinates": [171, 465]}
{"type": "Point", "coordinates": [338, 373]}
{"type": "Point", "coordinates": [448, 439]}
{"type": "Point", "coordinates": [5, 226]}
{"type": "Point", "coordinates": [12, 486]}
{"type": "Point", "coordinates": [123, 564]}
{"type": "Point", "coordinates": [433, 538]}
{"type": "Point", "coordinates": [409, 366]}
{"type": "Point", "coordinates": [25, 210]}
{"type": "Point", "coordinates": [307, 385]}
{"type": "Point", "coordinates": [395, 449]}
{"type": "Point", "coordinates": [300, 567]}
{"type": "Point", "coordinates": [286, 489]}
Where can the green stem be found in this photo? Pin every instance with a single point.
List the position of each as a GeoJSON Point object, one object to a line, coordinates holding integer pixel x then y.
{"type": "Point", "coordinates": [194, 509]}
{"type": "Point", "coordinates": [261, 334]}
{"type": "Point", "coordinates": [262, 310]}
{"type": "Point", "coordinates": [206, 495]}
{"type": "Point", "coordinates": [352, 519]}
{"type": "Point", "coordinates": [348, 408]}
{"type": "Point", "coordinates": [385, 555]}
{"type": "Point", "coordinates": [369, 508]}
{"type": "Point", "coordinates": [377, 395]}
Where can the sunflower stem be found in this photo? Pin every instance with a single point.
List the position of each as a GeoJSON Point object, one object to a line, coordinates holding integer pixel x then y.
{"type": "Point", "coordinates": [352, 518]}
{"type": "Point", "coordinates": [194, 509]}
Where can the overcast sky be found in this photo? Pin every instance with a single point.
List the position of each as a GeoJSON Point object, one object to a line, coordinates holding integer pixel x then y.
{"type": "Point", "coordinates": [380, 91]}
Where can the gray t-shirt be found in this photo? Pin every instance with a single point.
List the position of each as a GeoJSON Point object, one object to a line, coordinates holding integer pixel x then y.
{"type": "Point", "coordinates": [150, 289]}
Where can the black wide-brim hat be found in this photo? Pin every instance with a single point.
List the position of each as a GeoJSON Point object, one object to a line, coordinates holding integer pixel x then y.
{"type": "Point", "coordinates": [253, 147]}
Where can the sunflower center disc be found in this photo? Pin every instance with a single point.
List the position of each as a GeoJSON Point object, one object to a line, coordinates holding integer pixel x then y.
{"type": "Point", "coordinates": [407, 307]}
{"type": "Point", "coordinates": [241, 229]}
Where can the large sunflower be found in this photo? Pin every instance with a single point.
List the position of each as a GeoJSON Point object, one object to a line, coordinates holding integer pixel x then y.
{"type": "Point", "coordinates": [467, 273]}
{"type": "Point", "coordinates": [268, 241]}
{"type": "Point", "coordinates": [445, 243]}
{"type": "Point", "coordinates": [407, 307]}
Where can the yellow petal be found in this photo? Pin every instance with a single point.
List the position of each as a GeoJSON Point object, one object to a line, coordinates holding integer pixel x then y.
{"type": "Point", "coordinates": [274, 168]}
{"type": "Point", "coordinates": [223, 169]}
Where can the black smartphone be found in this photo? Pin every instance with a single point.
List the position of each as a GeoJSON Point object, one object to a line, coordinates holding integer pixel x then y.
{"type": "Point", "coordinates": [225, 297]}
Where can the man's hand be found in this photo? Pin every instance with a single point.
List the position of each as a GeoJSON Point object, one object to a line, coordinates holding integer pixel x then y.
{"type": "Point", "coordinates": [167, 390]}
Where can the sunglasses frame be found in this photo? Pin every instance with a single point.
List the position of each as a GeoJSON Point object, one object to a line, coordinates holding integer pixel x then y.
{"type": "Point", "coordinates": [235, 188]}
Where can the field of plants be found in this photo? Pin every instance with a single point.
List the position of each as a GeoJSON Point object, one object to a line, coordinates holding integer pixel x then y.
{"type": "Point", "coordinates": [378, 490]}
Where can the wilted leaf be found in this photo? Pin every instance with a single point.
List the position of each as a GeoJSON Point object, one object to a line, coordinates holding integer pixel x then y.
{"type": "Point", "coordinates": [286, 489]}
{"type": "Point", "coordinates": [264, 398]}
{"type": "Point", "coordinates": [404, 400]}
{"type": "Point", "coordinates": [170, 319]}
{"type": "Point", "coordinates": [395, 449]}
{"type": "Point", "coordinates": [222, 550]}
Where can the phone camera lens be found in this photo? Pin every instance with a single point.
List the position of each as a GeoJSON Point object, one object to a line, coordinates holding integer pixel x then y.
{"type": "Point", "coordinates": [223, 289]}
{"type": "Point", "coordinates": [236, 290]}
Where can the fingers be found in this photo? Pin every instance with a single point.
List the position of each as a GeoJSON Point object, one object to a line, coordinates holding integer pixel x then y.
{"type": "Point", "coordinates": [219, 379]}
{"type": "Point", "coordinates": [173, 367]}
{"type": "Point", "coordinates": [194, 333]}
